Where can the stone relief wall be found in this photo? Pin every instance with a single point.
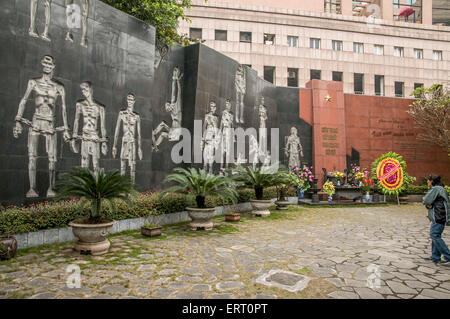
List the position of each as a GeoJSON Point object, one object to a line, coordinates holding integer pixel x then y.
{"type": "Point", "coordinates": [73, 74]}
{"type": "Point", "coordinates": [257, 104]}
{"type": "Point", "coordinates": [80, 86]}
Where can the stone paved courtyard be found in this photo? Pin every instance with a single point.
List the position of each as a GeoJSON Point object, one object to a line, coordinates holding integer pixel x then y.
{"type": "Point", "coordinates": [331, 247]}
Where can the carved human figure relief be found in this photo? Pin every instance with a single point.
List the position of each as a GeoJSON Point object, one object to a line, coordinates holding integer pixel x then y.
{"type": "Point", "coordinates": [73, 16]}
{"type": "Point", "coordinates": [253, 151]}
{"type": "Point", "coordinates": [172, 133]}
{"type": "Point", "coordinates": [33, 12]}
{"type": "Point", "coordinates": [227, 140]}
{"type": "Point", "coordinates": [240, 93]}
{"type": "Point", "coordinates": [262, 126]}
{"type": "Point", "coordinates": [293, 149]}
{"type": "Point", "coordinates": [130, 121]}
{"type": "Point", "coordinates": [91, 141]}
{"type": "Point", "coordinates": [211, 137]}
{"type": "Point", "coordinates": [46, 92]}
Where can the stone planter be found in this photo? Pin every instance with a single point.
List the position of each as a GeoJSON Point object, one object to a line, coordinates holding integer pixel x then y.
{"type": "Point", "coordinates": [261, 207]}
{"type": "Point", "coordinates": [282, 204]}
{"type": "Point", "coordinates": [232, 217]}
{"type": "Point", "coordinates": [151, 232]}
{"type": "Point", "coordinates": [8, 247]}
{"type": "Point", "coordinates": [201, 218]}
{"type": "Point", "coordinates": [92, 237]}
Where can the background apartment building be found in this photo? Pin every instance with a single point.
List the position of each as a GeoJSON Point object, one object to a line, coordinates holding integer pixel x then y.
{"type": "Point", "coordinates": [377, 47]}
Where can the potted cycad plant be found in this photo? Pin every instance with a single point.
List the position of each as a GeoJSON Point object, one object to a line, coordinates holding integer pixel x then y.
{"type": "Point", "coordinates": [258, 179]}
{"type": "Point", "coordinates": [94, 190]}
{"type": "Point", "coordinates": [282, 182]}
{"type": "Point", "coordinates": [201, 185]}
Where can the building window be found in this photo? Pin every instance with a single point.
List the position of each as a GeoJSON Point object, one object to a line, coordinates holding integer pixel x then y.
{"type": "Point", "coordinates": [333, 6]}
{"type": "Point", "coordinates": [195, 33]}
{"type": "Point", "coordinates": [398, 51]}
{"type": "Point", "coordinates": [437, 55]}
{"type": "Point", "coordinates": [245, 37]}
{"type": "Point", "coordinates": [269, 74]}
{"type": "Point", "coordinates": [337, 76]}
{"type": "Point", "coordinates": [379, 85]}
{"type": "Point", "coordinates": [292, 77]}
{"type": "Point", "coordinates": [418, 53]}
{"type": "Point", "coordinates": [269, 39]}
{"type": "Point", "coordinates": [396, 4]}
{"type": "Point", "coordinates": [314, 43]}
{"type": "Point", "coordinates": [337, 45]}
{"type": "Point", "coordinates": [379, 49]}
{"type": "Point", "coordinates": [358, 80]}
{"type": "Point", "coordinates": [358, 47]}
{"type": "Point", "coordinates": [221, 35]}
{"type": "Point", "coordinates": [399, 89]}
{"type": "Point", "coordinates": [292, 41]}
{"type": "Point", "coordinates": [315, 74]}
{"type": "Point", "coordinates": [416, 86]}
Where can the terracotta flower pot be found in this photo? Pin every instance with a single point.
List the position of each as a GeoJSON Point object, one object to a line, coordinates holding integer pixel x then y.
{"type": "Point", "coordinates": [232, 217]}
{"type": "Point", "coordinates": [92, 237]}
{"type": "Point", "coordinates": [261, 207]}
{"type": "Point", "coordinates": [201, 218]}
{"type": "Point", "coordinates": [151, 232]}
{"type": "Point", "coordinates": [8, 248]}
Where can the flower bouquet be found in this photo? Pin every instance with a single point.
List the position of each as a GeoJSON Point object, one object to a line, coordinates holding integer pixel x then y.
{"type": "Point", "coordinates": [328, 188]}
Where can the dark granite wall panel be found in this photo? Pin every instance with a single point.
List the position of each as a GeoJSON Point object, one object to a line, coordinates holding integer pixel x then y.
{"type": "Point", "coordinates": [119, 58]}
{"type": "Point", "coordinates": [216, 81]}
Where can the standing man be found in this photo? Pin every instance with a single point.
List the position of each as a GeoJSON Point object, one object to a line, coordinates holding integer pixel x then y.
{"type": "Point", "coordinates": [92, 113]}
{"type": "Point", "coordinates": [226, 128]}
{"type": "Point", "coordinates": [46, 91]}
{"type": "Point", "coordinates": [70, 12]}
{"type": "Point", "coordinates": [131, 125]}
{"type": "Point", "coordinates": [293, 148]}
{"type": "Point", "coordinates": [437, 202]}
{"type": "Point", "coordinates": [240, 93]}
{"type": "Point", "coordinates": [33, 11]}
{"type": "Point", "coordinates": [210, 137]}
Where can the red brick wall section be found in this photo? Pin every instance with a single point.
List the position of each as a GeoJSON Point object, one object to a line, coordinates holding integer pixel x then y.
{"type": "Point", "coordinates": [376, 125]}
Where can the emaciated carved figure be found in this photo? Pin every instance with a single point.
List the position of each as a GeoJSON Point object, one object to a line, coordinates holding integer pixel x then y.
{"type": "Point", "coordinates": [293, 148]}
{"type": "Point", "coordinates": [84, 21]}
{"type": "Point", "coordinates": [211, 137]}
{"type": "Point", "coordinates": [33, 11]}
{"type": "Point", "coordinates": [175, 108]}
{"type": "Point", "coordinates": [240, 92]}
{"type": "Point", "coordinates": [262, 126]}
{"type": "Point", "coordinates": [46, 92]}
{"type": "Point", "coordinates": [92, 112]}
{"type": "Point", "coordinates": [131, 125]}
{"type": "Point", "coordinates": [226, 128]}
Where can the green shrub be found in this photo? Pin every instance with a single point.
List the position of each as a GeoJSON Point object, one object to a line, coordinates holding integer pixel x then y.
{"type": "Point", "coordinates": [57, 214]}
{"type": "Point", "coordinates": [415, 190]}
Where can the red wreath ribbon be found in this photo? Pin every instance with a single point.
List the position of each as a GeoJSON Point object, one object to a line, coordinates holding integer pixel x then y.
{"type": "Point", "coordinates": [390, 173]}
